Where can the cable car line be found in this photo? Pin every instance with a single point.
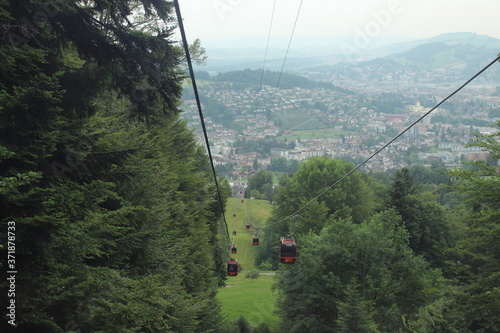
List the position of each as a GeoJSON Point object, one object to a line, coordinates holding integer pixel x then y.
{"type": "Point", "coordinates": [248, 211]}
{"type": "Point", "coordinates": [200, 112]}
{"type": "Point", "coordinates": [386, 145]}
{"type": "Point", "coordinates": [294, 217]}
{"type": "Point", "coordinates": [267, 46]}
{"type": "Point", "coordinates": [284, 59]}
{"type": "Point", "coordinates": [287, 242]}
{"type": "Point", "coordinates": [234, 205]}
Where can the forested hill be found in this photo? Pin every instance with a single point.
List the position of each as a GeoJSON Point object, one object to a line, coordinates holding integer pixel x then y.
{"type": "Point", "coordinates": [110, 220]}
{"type": "Point", "coordinates": [271, 78]}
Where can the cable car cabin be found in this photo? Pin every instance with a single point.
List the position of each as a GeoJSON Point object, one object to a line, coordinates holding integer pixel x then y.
{"type": "Point", "coordinates": [232, 267]}
{"type": "Point", "coordinates": [288, 251]}
{"type": "Point", "coordinates": [242, 201]}
{"type": "Point", "coordinates": [255, 240]}
{"type": "Point", "coordinates": [247, 226]}
{"type": "Point", "coordinates": [234, 232]}
{"type": "Point", "coordinates": [234, 249]}
{"type": "Point", "coordinates": [234, 215]}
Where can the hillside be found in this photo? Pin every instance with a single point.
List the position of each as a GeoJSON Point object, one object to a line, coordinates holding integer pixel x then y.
{"type": "Point", "coordinates": [443, 58]}
{"type": "Point", "coordinates": [112, 218]}
{"type": "Point", "coordinates": [314, 52]}
{"type": "Point", "coordinates": [271, 78]}
{"type": "Point", "coordinates": [459, 52]}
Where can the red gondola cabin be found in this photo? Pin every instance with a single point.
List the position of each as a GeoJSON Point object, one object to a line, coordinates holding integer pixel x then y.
{"type": "Point", "coordinates": [234, 232]}
{"type": "Point", "coordinates": [288, 250]}
{"type": "Point", "coordinates": [255, 240]}
{"type": "Point", "coordinates": [247, 226]}
{"type": "Point", "coordinates": [234, 249]}
{"type": "Point", "coordinates": [232, 267]}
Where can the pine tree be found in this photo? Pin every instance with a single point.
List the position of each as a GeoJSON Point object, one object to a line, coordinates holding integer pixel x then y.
{"type": "Point", "coordinates": [422, 216]}
{"type": "Point", "coordinates": [475, 258]}
{"type": "Point", "coordinates": [242, 325]}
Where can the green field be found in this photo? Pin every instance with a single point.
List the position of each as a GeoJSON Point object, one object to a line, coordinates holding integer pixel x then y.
{"type": "Point", "coordinates": [297, 119]}
{"type": "Point", "coordinates": [253, 300]}
{"type": "Point", "coordinates": [255, 211]}
{"type": "Point", "coordinates": [322, 133]}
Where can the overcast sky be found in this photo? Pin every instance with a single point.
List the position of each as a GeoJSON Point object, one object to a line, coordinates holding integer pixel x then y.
{"type": "Point", "coordinates": [221, 19]}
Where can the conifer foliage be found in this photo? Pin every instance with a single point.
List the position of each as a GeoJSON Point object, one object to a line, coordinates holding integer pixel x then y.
{"type": "Point", "coordinates": [476, 257]}
{"type": "Point", "coordinates": [116, 220]}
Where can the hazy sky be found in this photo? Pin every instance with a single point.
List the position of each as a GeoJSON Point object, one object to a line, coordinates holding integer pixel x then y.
{"type": "Point", "coordinates": [221, 19]}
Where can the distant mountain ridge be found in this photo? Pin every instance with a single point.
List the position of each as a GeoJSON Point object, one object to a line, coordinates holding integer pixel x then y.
{"type": "Point", "coordinates": [459, 49]}
{"type": "Point", "coordinates": [446, 58]}
{"type": "Point", "coordinates": [463, 52]}
{"type": "Point", "coordinates": [449, 39]}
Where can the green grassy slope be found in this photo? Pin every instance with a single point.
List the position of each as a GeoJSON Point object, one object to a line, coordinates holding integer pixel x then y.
{"type": "Point", "coordinates": [256, 211]}
{"type": "Point", "coordinates": [253, 300]}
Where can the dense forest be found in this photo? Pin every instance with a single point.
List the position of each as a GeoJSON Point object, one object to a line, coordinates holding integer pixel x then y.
{"type": "Point", "coordinates": [108, 204]}
{"type": "Point", "coordinates": [417, 251]}
{"type": "Point", "coordinates": [111, 220]}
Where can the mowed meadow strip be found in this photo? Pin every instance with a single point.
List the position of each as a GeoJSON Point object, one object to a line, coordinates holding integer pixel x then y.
{"type": "Point", "coordinates": [242, 297]}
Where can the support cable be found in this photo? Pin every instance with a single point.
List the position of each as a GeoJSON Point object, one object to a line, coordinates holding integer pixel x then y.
{"type": "Point", "coordinates": [198, 103]}
{"type": "Point", "coordinates": [286, 55]}
{"type": "Point", "coordinates": [267, 46]}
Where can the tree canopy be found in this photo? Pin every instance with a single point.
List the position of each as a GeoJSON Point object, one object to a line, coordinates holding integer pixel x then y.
{"type": "Point", "coordinates": [365, 270]}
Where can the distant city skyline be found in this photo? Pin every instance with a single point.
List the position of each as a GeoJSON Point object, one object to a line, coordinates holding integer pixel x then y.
{"type": "Point", "coordinates": [221, 20]}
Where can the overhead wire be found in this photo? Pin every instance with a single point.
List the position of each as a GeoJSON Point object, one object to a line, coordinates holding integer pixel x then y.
{"type": "Point", "coordinates": [248, 207]}
{"type": "Point", "coordinates": [267, 46]}
{"type": "Point", "coordinates": [200, 112]}
{"type": "Point", "coordinates": [248, 210]}
{"type": "Point", "coordinates": [385, 145]}
{"type": "Point", "coordinates": [286, 56]}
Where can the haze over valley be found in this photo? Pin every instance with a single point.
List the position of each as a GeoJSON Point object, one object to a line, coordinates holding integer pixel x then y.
{"type": "Point", "coordinates": [327, 106]}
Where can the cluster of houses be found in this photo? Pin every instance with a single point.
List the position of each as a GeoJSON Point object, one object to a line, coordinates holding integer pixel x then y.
{"type": "Point", "coordinates": [366, 130]}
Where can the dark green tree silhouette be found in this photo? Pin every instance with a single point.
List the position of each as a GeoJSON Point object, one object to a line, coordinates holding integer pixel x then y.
{"type": "Point", "coordinates": [114, 205]}
{"type": "Point", "coordinates": [422, 216]}
{"type": "Point", "coordinates": [242, 325]}
{"type": "Point", "coordinates": [252, 275]}
{"type": "Point", "coordinates": [476, 258]}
